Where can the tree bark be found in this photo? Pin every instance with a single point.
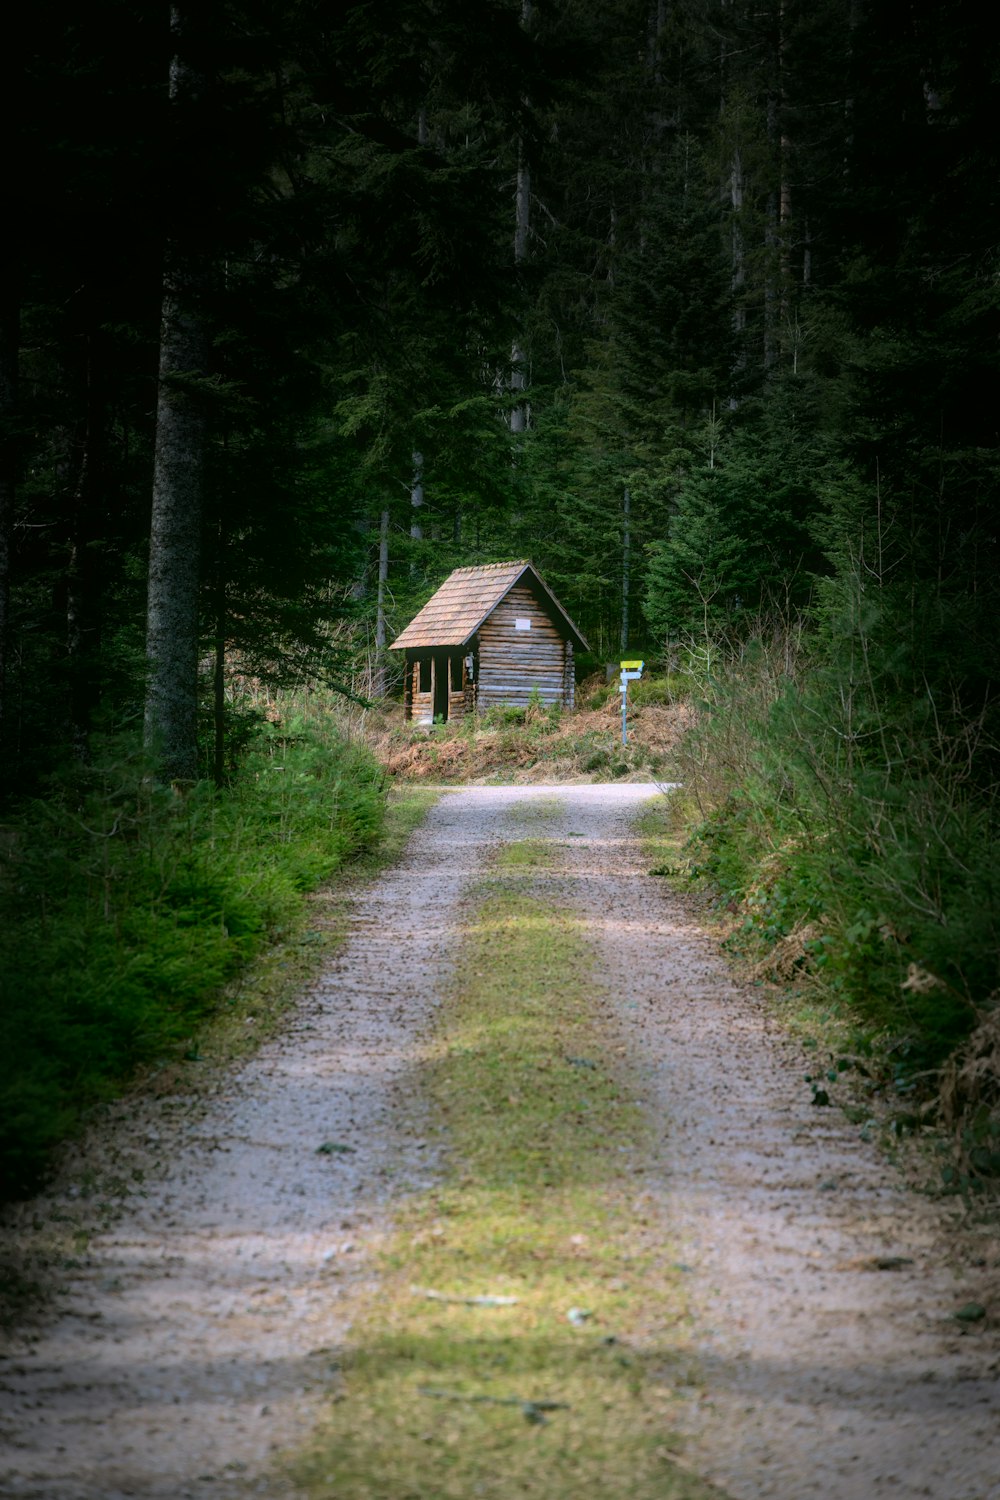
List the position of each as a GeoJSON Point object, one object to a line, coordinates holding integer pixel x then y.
{"type": "Point", "coordinates": [522, 231]}
{"type": "Point", "coordinates": [9, 342]}
{"type": "Point", "coordinates": [522, 228]}
{"type": "Point", "coordinates": [171, 720]}
{"type": "Point", "coordinates": [171, 731]}
{"type": "Point", "coordinates": [737, 275]}
{"type": "Point", "coordinates": [777, 318]}
{"type": "Point", "coordinates": [219, 667]}
{"type": "Point", "coordinates": [626, 563]}
{"type": "Point", "coordinates": [378, 682]}
{"type": "Point", "coordinates": [417, 496]}
{"type": "Point", "coordinates": [83, 584]}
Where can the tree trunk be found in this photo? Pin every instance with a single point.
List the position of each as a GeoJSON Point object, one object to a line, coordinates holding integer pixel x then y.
{"type": "Point", "coordinates": [378, 681]}
{"type": "Point", "coordinates": [737, 273]}
{"type": "Point", "coordinates": [522, 230]}
{"type": "Point", "coordinates": [626, 562]}
{"type": "Point", "coordinates": [175, 543]}
{"type": "Point", "coordinates": [171, 721]}
{"type": "Point", "coordinates": [771, 297]}
{"type": "Point", "coordinates": [417, 496]}
{"type": "Point", "coordinates": [9, 342]}
{"type": "Point", "coordinates": [416, 504]}
{"type": "Point", "coordinates": [359, 588]}
{"type": "Point", "coordinates": [219, 667]}
{"type": "Point", "coordinates": [83, 584]}
{"type": "Point", "coordinates": [778, 333]}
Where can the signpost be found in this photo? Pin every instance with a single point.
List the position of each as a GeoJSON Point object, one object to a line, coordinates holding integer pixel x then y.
{"type": "Point", "coordinates": [631, 671]}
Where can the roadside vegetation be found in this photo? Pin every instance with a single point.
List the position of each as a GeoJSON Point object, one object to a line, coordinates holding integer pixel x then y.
{"type": "Point", "coordinates": [539, 743]}
{"type": "Point", "coordinates": [837, 799]}
{"type": "Point", "coordinates": [133, 913]}
{"type": "Point", "coordinates": [516, 1345]}
{"type": "Point", "coordinates": [757, 418]}
{"type": "Point", "coordinates": [841, 806]}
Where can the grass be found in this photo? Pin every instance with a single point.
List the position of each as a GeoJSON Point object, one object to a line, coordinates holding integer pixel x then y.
{"type": "Point", "coordinates": [528, 745]}
{"type": "Point", "coordinates": [247, 1011]}
{"type": "Point", "coordinates": [567, 1388]}
{"type": "Point", "coordinates": [252, 1007]}
{"type": "Point", "coordinates": [659, 839]}
{"type": "Point", "coordinates": [851, 1063]}
{"type": "Point", "coordinates": [134, 916]}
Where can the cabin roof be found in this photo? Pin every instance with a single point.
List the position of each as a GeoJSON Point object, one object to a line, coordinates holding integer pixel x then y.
{"type": "Point", "coordinates": [468, 596]}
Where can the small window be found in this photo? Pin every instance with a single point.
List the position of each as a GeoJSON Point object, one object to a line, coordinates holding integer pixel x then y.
{"type": "Point", "coordinates": [520, 624]}
{"type": "Point", "coordinates": [425, 676]}
{"type": "Point", "coordinates": [456, 674]}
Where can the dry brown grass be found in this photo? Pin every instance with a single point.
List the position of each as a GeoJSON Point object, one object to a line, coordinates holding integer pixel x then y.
{"type": "Point", "coordinates": [969, 1097]}
{"type": "Point", "coordinates": [582, 745]}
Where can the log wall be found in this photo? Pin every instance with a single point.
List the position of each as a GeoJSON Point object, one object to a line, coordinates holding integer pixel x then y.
{"type": "Point", "coordinates": [514, 661]}
{"type": "Point", "coordinates": [422, 704]}
{"type": "Point", "coordinates": [419, 707]}
{"type": "Point", "coordinates": [456, 703]}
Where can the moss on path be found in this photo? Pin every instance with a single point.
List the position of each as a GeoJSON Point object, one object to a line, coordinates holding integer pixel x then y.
{"type": "Point", "coordinates": [527, 1337]}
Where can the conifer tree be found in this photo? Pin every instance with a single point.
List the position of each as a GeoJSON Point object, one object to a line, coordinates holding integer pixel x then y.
{"type": "Point", "coordinates": [172, 633]}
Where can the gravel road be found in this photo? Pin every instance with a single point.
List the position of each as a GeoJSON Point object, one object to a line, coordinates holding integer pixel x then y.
{"type": "Point", "coordinates": [192, 1336]}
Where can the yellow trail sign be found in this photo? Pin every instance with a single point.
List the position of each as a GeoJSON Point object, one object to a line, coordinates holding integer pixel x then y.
{"type": "Point", "coordinates": [632, 666]}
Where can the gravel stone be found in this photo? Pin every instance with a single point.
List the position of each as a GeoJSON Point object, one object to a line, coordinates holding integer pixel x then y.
{"type": "Point", "coordinates": [194, 1338]}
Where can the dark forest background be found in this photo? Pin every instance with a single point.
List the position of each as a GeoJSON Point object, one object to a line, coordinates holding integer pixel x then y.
{"type": "Point", "coordinates": [692, 302]}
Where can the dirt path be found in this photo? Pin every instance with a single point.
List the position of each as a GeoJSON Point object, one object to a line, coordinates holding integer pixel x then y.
{"type": "Point", "coordinates": [824, 1374]}
{"type": "Point", "coordinates": [194, 1335]}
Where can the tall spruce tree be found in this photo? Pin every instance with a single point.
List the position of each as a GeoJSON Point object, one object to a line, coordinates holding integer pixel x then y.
{"type": "Point", "coordinates": [172, 628]}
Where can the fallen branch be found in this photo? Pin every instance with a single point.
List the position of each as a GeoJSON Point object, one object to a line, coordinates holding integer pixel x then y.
{"type": "Point", "coordinates": [464, 1301]}
{"type": "Point", "coordinates": [532, 1411]}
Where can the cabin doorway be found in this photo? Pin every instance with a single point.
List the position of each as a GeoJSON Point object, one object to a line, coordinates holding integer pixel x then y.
{"type": "Point", "coordinates": [441, 689]}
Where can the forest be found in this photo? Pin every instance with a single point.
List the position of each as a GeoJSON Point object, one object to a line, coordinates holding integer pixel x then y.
{"type": "Point", "coordinates": [692, 302]}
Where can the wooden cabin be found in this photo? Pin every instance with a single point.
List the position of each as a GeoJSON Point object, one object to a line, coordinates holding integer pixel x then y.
{"type": "Point", "coordinates": [490, 635]}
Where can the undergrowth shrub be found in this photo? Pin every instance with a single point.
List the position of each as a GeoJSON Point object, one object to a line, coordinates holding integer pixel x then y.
{"type": "Point", "coordinates": [508, 741]}
{"type": "Point", "coordinates": [848, 817]}
{"type": "Point", "coordinates": [669, 687]}
{"type": "Point", "coordinates": [125, 907]}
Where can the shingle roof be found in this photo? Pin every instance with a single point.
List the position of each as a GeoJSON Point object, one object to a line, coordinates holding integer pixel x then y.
{"type": "Point", "coordinates": [454, 614]}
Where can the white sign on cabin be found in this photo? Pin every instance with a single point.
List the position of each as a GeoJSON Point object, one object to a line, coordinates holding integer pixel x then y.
{"type": "Point", "coordinates": [520, 624]}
